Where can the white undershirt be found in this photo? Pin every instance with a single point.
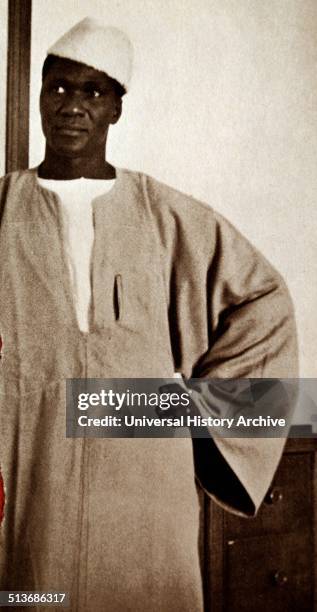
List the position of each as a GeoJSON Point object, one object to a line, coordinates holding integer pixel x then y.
{"type": "Point", "coordinates": [76, 197]}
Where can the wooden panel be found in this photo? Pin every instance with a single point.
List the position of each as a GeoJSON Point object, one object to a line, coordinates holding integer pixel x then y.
{"type": "Point", "coordinates": [270, 574]}
{"type": "Point", "coordinates": [314, 489]}
{"type": "Point", "coordinates": [299, 445]}
{"type": "Point", "coordinates": [288, 505]}
{"type": "Point", "coordinates": [18, 85]}
{"type": "Point", "coordinates": [201, 541]}
{"type": "Point", "coordinates": [214, 578]}
{"type": "Point", "coordinates": [241, 556]}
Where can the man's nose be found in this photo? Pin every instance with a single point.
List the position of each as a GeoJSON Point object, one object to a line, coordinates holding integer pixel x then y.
{"type": "Point", "coordinates": [73, 104]}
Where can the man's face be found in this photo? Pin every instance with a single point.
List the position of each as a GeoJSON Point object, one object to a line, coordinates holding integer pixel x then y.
{"type": "Point", "coordinates": [77, 104]}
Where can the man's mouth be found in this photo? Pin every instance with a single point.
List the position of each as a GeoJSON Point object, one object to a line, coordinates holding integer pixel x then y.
{"type": "Point", "coordinates": [71, 130]}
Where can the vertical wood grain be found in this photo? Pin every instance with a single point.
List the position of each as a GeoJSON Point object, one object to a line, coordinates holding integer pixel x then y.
{"type": "Point", "coordinates": [214, 583]}
{"type": "Point", "coordinates": [18, 84]}
{"type": "Point", "coordinates": [314, 487]}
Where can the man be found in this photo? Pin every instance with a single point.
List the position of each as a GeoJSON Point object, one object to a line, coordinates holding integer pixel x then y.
{"type": "Point", "coordinates": [107, 273]}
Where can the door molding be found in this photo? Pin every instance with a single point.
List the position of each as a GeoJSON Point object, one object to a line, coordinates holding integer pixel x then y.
{"type": "Point", "coordinates": [18, 84]}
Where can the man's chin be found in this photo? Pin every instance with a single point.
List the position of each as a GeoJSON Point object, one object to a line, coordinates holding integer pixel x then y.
{"type": "Point", "coordinates": [70, 149]}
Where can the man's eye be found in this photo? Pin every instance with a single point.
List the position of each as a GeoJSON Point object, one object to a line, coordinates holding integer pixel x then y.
{"type": "Point", "coordinates": [58, 89]}
{"type": "Point", "coordinates": [94, 93]}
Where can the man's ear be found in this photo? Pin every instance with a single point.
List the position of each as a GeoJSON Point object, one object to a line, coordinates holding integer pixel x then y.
{"type": "Point", "coordinates": [117, 110]}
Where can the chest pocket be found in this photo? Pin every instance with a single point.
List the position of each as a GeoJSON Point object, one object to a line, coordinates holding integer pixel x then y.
{"type": "Point", "coordinates": [118, 297]}
{"type": "Point", "coordinates": [136, 299]}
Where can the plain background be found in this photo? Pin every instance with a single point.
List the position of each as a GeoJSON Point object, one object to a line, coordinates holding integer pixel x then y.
{"type": "Point", "coordinates": [222, 106]}
{"type": "Point", "coordinates": [3, 80]}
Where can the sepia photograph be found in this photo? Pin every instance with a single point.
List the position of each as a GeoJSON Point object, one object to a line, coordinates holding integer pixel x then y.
{"type": "Point", "coordinates": [158, 291]}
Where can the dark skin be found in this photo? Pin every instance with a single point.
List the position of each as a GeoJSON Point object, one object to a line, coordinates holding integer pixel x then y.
{"type": "Point", "coordinates": [77, 104]}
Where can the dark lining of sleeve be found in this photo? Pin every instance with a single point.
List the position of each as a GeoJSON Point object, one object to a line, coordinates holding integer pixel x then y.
{"type": "Point", "coordinates": [218, 479]}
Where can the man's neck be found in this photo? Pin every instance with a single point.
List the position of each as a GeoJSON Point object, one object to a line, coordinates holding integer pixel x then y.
{"type": "Point", "coordinates": [53, 167]}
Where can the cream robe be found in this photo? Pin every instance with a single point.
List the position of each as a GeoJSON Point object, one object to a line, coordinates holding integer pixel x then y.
{"type": "Point", "coordinates": [115, 522]}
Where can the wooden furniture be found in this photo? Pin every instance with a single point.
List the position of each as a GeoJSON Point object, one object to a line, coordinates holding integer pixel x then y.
{"type": "Point", "coordinates": [267, 563]}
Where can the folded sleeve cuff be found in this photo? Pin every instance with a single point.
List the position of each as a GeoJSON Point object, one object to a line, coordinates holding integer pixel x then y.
{"type": "Point", "coordinates": [237, 472]}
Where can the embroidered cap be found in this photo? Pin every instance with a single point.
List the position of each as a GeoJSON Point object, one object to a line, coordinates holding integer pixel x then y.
{"type": "Point", "coordinates": [104, 48]}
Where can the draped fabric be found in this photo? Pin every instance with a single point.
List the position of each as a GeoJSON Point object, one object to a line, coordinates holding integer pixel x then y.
{"type": "Point", "coordinates": [174, 287]}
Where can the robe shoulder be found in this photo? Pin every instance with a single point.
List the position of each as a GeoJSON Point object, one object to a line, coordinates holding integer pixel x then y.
{"type": "Point", "coordinates": [18, 178]}
{"type": "Point", "coordinates": [188, 228]}
{"type": "Point", "coordinates": [164, 199]}
{"type": "Point", "coordinates": [13, 177]}
{"type": "Point", "coordinates": [194, 230]}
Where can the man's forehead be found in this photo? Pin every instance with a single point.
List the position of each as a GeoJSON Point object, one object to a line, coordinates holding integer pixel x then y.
{"type": "Point", "coordinates": [66, 69]}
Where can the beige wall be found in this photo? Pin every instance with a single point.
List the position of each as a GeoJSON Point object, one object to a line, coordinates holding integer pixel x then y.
{"type": "Point", "coordinates": [3, 79]}
{"type": "Point", "coordinates": [223, 106]}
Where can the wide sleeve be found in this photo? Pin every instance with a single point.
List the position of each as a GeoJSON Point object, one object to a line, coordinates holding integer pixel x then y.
{"type": "Point", "coordinates": [250, 313]}
{"type": "Point", "coordinates": [235, 320]}
{"type": "Point", "coordinates": [252, 334]}
{"type": "Point", "coordinates": [230, 317]}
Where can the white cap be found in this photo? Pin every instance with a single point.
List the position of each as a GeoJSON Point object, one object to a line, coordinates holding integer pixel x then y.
{"type": "Point", "coordinates": [102, 47]}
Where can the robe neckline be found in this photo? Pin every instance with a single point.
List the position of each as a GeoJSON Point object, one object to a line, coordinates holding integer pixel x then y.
{"type": "Point", "coordinates": [33, 173]}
